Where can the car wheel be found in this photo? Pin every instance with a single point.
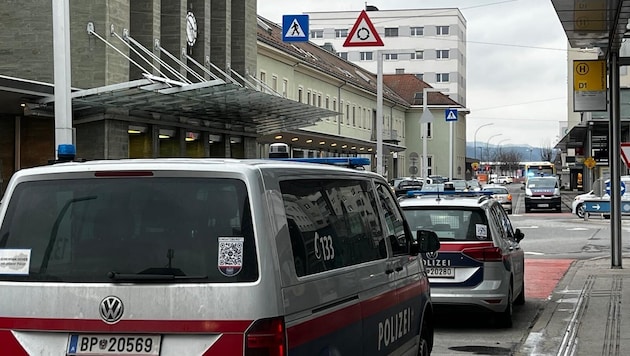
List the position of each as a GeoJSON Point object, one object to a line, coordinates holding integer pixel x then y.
{"type": "Point", "coordinates": [423, 349]}
{"type": "Point", "coordinates": [509, 211]}
{"type": "Point", "coordinates": [579, 211]}
{"type": "Point", "coordinates": [505, 318]}
{"type": "Point", "coordinates": [528, 209]}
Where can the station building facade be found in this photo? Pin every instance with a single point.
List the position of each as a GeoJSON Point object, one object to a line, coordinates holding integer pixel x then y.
{"type": "Point", "coordinates": [143, 86]}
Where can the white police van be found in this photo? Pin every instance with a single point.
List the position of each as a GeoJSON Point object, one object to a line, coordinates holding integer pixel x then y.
{"type": "Point", "coordinates": [209, 257]}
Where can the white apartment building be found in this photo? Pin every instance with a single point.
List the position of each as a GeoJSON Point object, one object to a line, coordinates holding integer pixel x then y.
{"type": "Point", "coordinates": [429, 43]}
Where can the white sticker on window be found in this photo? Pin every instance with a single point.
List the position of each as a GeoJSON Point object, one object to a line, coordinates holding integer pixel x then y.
{"type": "Point", "coordinates": [230, 255]}
{"type": "Point", "coordinates": [482, 231]}
{"type": "Point", "coordinates": [15, 261]}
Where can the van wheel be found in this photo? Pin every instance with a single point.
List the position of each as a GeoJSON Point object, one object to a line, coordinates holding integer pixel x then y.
{"type": "Point", "coordinates": [423, 349]}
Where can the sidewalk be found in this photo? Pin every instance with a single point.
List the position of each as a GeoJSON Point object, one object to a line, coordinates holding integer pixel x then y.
{"type": "Point", "coordinates": [586, 313]}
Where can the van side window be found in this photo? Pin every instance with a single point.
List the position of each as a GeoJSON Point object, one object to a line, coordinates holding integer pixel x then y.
{"type": "Point", "coordinates": [332, 223]}
{"type": "Point", "coordinates": [394, 221]}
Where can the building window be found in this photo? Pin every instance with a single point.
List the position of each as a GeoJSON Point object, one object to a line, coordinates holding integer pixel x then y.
{"type": "Point", "coordinates": [343, 55]}
{"type": "Point", "coordinates": [319, 100]}
{"type": "Point", "coordinates": [285, 86]}
{"type": "Point", "coordinates": [308, 97]}
{"type": "Point", "coordinates": [274, 83]}
{"type": "Point", "coordinates": [348, 114]}
{"type": "Point", "coordinates": [334, 105]}
{"type": "Point", "coordinates": [263, 77]}
{"type": "Point", "coordinates": [299, 98]}
{"type": "Point", "coordinates": [354, 116]}
{"type": "Point", "coordinates": [391, 56]}
{"type": "Point", "coordinates": [417, 55]}
{"type": "Point", "coordinates": [327, 102]}
{"type": "Point", "coordinates": [429, 165]}
{"type": "Point", "coordinates": [400, 70]}
{"type": "Point", "coordinates": [420, 76]}
{"type": "Point", "coordinates": [339, 33]}
{"type": "Point", "coordinates": [366, 56]}
{"type": "Point", "coordinates": [317, 33]}
{"type": "Point", "coordinates": [391, 31]}
{"type": "Point", "coordinates": [441, 77]}
{"type": "Point", "coordinates": [442, 30]}
{"type": "Point", "coordinates": [417, 31]}
{"type": "Point", "coordinates": [442, 54]}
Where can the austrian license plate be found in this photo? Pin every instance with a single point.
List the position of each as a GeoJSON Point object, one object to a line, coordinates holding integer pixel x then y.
{"type": "Point", "coordinates": [109, 344]}
{"type": "Point", "coordinates": [443, 272]}
{"type": "Point", "coordinates": [543, 205]}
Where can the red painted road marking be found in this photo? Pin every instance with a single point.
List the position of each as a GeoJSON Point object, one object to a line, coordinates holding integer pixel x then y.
{"type": "Point", "coordinates": [542, 276]}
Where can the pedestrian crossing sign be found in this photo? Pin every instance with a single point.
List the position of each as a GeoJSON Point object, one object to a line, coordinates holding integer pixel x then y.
{"type": "Point", "coordinates": [295, 28]}
{"type": "Point", "coordinates": [450, 114]}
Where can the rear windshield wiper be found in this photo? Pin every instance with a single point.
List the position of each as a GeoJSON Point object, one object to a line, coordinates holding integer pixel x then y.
{"type": "Point", "coordinates": [115, 276]}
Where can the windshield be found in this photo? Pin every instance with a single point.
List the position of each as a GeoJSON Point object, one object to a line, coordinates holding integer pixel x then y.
{"type": "Point", "coordinates": [542, 183]}
{"type": "Point", "coordinates": [149, 229]}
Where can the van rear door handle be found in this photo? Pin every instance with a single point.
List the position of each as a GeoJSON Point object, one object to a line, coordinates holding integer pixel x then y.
{"type": "Point", "coordinates": [389, 271]}
{"type": "Point", "coordinates": [399, 268]}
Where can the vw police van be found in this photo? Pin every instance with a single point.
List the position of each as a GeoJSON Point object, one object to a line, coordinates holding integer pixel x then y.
{"type": "Point", "coordinates": [209, 257]}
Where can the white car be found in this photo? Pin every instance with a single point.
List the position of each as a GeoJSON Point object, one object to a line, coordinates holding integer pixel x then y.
{"type": "Point", "coordinates": [577, 206]}
{"type": "Point", "coordinates": [504, 180]}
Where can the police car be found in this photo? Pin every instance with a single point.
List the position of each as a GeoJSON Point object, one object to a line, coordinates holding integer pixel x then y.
{"type": "Point", "coordinates": [480, 264]}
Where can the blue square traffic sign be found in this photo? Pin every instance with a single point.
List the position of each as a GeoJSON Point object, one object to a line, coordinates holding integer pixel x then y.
{"type": "Point", "coordinates": [450, 114]}
{"type": "Point", "coordinates": [295, 28]}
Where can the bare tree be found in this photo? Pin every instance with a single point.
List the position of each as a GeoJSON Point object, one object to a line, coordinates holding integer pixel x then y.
{"type": "Point", "coordinates": [546, 152]}
{"type": "Point", "coordinates": [508, 159]}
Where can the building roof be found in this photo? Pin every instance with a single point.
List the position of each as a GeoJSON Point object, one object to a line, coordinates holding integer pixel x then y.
{"type": "Point", "coordinates": [410, 88]}
{"type": "Point", "coordinates": [325, 61]}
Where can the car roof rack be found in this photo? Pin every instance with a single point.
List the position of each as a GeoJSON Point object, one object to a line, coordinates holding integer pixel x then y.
{"type": "Point", "coordinates": [349, 162]}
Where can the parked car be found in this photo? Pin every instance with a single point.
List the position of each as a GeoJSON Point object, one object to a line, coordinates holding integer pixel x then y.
{"type": "Point", "coordinates": [480, 264]}
{"type": "Point", "coordinates": [501, 194]}
{"type": "Point", "coordinates": [598, 192]}
{"type": "Point", "coordinates": [577, 206]}
{"type": "Point", "coordinates": [504, 180]}
{"type": "Point", "coordinates": [459, 185]}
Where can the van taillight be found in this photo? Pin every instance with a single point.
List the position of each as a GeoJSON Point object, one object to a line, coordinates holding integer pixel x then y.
{"type": "Point", "coordinates": [266, 337]}
{"type": "Point", "coordinates": [486, 254]}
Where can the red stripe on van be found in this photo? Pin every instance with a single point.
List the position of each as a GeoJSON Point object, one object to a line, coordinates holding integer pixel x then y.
{"type": "Point", "coordinates": [159, 326]}
{"type": "Point", "coordinates": [323, 325]}
{"type": "Point", "coordinates": [446, 246]}
{"type": "Point", "coordinates": [414, 290]}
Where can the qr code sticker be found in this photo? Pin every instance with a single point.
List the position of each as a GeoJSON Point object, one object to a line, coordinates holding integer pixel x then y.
{"type": "Point", "coordinates": [230, 255]}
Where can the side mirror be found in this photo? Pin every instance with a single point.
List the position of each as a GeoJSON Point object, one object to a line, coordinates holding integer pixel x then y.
{"type": "Point", "coordinates": [518, 235]}
{"type": "Point", "coordinates": [426, 241]}
{"type": "Point", "coordinates": [523, 186]}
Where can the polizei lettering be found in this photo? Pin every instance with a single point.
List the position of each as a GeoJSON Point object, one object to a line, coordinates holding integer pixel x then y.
{"type": "Point", "coordinates": [437, 263]}
{"type": "Point", "coordinates": [394, 327]}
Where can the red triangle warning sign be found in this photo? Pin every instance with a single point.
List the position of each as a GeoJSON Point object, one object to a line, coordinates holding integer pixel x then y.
{"type": "Point", "coordinates": [363, 33]}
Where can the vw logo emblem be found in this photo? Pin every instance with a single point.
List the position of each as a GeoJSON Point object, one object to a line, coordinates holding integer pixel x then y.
{"type": "Point", "coordinates": [111, 309]}
{"type": "Point", "coordinates": [432, 255]}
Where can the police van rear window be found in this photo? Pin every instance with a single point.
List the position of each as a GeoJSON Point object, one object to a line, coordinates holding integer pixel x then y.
{"type": "Point", "coordinates": [138, 230]}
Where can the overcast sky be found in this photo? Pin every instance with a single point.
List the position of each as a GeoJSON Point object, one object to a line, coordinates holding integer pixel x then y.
{"type": "Point", "coordinates": [517, 63]}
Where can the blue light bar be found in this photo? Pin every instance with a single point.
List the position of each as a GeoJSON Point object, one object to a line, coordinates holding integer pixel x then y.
{"type": "Point", "coordinates": [417, 193]}
{"type": "Point", "coordinates": [336, 161]}
{"type": "Point", "coordinates": [66, 152]}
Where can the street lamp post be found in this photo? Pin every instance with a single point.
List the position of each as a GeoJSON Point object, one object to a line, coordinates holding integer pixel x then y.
{"type": "Point", "coordinates": [488, 142]}
{"type": "Point", "coordinates": [475, 138]}
{"type": "Point", "coordinates": [425, 119]}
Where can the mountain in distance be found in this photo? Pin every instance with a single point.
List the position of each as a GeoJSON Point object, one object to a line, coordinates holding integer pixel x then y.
{"type": "Point", "coordinates": [526, 152]}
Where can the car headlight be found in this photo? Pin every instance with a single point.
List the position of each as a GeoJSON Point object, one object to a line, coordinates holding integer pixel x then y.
{"type": "Point", "coordinates": [528, 192]}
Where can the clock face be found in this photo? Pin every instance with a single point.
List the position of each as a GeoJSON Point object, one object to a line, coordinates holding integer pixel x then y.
{"type": "Point", "coordinates": [191, 29]}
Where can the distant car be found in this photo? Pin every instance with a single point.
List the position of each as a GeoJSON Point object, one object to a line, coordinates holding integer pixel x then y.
{"type": "Point", "coordinates": [504, 180]}
{"type": "Point", "coordinates": [501, 194]}
{"type": "Point", "coordinates": [577, 206]}
{"type": "Point", "coordinates": [435, 187]}
{"type": "Point", "coordinates": [480, 264]}
{"type": "Point", "coordinates": [460, 185]}
{"type": "Point", "coordinates": [474, 185]}
{"type": "Point", "coordinates": [542, 193]}
{"type": "Point", "coordinates": [406, 185]}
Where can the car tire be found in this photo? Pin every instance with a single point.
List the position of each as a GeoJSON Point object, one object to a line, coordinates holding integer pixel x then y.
{"type": "Point", "coordinates": [505, 317]}
{"type": "Point", "coordinates": [509, 211]}
{"type": "Point", "coordinates": [579, 211]}
{"type": "Point", "coordinates": [528, 209]}
{"type": "Point", "coordinates": [423, 348]}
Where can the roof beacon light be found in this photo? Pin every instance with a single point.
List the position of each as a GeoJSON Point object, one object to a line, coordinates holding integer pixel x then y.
{"type": "Point", "coordinates": [66, 152]}
{"type": "Point", "coordinates": [350, 162]}
{"type": "Point", "coordinates": [417, 193]}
